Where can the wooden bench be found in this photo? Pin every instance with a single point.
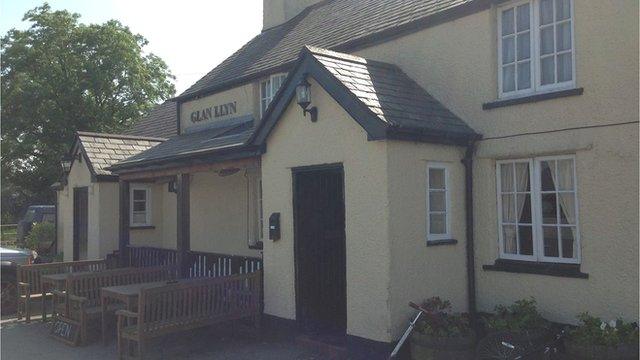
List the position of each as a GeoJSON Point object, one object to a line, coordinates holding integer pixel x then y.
{"type": "Point", "coordinates": [81, 300]}
{"type": "Point", "coordinates": [189, 304]}
{"type": "Point", "coordinates": [30, 286]}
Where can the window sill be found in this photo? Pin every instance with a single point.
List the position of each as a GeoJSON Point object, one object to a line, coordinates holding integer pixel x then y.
{"type": "Point", "coordinates": [532, 98]}
{"type": "Point", "coordinates": [539, 268]}
{"type": "Point", "coordinates": [141, 227]}
{"type": "Point", "coordinates": [442, 242]}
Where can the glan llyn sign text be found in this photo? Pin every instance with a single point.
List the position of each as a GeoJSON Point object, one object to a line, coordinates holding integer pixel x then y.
{"type": "Point", "coordinates": [213, 112]}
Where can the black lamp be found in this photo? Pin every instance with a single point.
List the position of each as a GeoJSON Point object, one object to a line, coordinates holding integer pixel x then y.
{"type": "Point", "coordinates": [66, 165]}
{"type": "Point", "coordinates": [303, 95]}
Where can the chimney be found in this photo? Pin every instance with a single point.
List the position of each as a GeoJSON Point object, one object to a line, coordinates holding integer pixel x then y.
{"type": "Point", "coordinates": [276, 12]}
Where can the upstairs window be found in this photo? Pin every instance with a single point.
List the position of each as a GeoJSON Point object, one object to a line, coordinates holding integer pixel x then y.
{"type": "Point", "coordinates": [140, 206]}
{"type": "Point", "coordinates": [268, 90]}
{"type": "Point", "coordinates": [538, 212]}
{"type": "Point", "coordinates": [437, 202]}
{"type": "Point", "coordinates": [536, 51]}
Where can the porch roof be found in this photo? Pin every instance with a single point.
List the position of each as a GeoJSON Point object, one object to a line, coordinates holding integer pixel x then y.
{"type": "Point", "coordinates": [386, 102]}
{"type": "Point", "coordinates": [218, 143]}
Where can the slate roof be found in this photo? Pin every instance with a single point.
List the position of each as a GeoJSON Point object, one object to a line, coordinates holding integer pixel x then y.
{"type": "Point", "coordinates": [226, 139]}
{"type": "Point", "coordinates": [104, 150]}
{"type": "Point", "coordinates": [160, 122]}
{"type": "Point", "coordinates": [332, 24]}
{"type": "Point", "coordinates": [379, 96]}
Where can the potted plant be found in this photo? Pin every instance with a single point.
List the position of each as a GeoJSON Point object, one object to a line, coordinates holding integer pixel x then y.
{"type": "Point", "coordinates": [442, 334]}
{"type": "Point", "coordinates": [521, 319]}
{"type": "Point", "coordinates": [596, 339]}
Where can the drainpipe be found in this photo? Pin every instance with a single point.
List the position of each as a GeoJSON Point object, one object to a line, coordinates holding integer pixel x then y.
{"type": "Point", "coordinates": [468, 199]}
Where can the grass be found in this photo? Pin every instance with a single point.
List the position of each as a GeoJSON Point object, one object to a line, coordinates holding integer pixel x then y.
{"type": "Point", "coordinates": [8, 235]}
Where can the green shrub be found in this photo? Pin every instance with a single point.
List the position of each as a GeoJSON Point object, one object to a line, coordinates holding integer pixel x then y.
{"type": "Point", "coordinates": [441, 322]}
{"type": "Point", "coordinates": [41, 233]}
{"type": "Point", "coordinates": [593, 331]}
{"type": "Point", "coordinates": [517, 317]}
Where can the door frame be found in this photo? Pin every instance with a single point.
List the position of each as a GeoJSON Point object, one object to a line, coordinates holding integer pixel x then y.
{"type": "Point", "coordinates": [339, 167]}
{"type": "Point", "coordinates": [75, 238]}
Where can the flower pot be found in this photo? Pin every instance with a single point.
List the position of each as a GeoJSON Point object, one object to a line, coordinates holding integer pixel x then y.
{"type": "Point", "coordinates": [600, 352]}
{"type": "Point", "coordinates": [426, 347]}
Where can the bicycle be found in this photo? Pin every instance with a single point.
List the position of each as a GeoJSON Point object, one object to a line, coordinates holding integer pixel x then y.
{"type": "Point", "coordinates": [505, 346]}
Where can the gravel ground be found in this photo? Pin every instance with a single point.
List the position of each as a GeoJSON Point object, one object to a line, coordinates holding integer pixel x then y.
{"type": "Point", "coordinates": [20, 340]}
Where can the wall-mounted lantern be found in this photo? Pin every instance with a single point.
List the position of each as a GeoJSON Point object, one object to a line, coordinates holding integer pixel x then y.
{"type": "Point", "coordinates": [66, 165]}
{"type": "Point", "coordinates": [303, 95]}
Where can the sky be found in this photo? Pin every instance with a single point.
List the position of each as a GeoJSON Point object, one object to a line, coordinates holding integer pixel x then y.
{"type": "Point", "coordinates": [191, 36]}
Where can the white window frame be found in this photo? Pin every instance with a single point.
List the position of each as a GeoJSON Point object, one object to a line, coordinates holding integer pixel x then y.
{"type": "Point", "coordinates": [447, 212]}
{"type": "Point", "coordinates": [536, 211]}
{"type": "Point", "coordinates": [271, 89]}
{"type": "Point", "coordinates": [536, 86]}
{"type": "Point", "coordinates": [147, 190]}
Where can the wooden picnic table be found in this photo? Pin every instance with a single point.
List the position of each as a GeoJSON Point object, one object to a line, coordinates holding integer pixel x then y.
{"type": "Point", "coordinates": [54, 282]}
{"type": "Point", "coordinates": [128, 294]}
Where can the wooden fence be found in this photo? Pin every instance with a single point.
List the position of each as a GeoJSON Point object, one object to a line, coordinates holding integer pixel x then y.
{"type": "Point", "coordinates": [198, 264]}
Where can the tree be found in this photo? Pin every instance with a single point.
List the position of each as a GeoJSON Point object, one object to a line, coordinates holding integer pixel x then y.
{"type": "Point", "coordinates": [60, 76]}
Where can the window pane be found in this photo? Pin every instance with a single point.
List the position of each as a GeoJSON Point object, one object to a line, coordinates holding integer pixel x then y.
{"type": "Point", "coordinates": [550, 234]}
{"type": "Point", "coordinates": [524, 208]}
{"type": "Point", "coordinates": [139, 206]}
{"type": "Point", "coordinates": [437, 224]}
{"type": "Point", "coordinates": [567, 241]}
{"type": "Point", "coordinates": [509, 238]}
{"type": "Point", "coordinates": [563, 36]}
{"type": "Point", "coordinates": [506, 177]}
{"type": "Point", "coordinates": [524, 46]}
{"type": "Point", "coordinates": [522, 177]}
{"type": "Point", "coordinates": [548, 70]}
{"type": "Point", "coordinates": [563, 9]}
{"type": "Point", "coordinates": [547, 174]}
{"type": "Point", "coordinates": [139, 218]}
{"type": "Point", "coordinates": [546, 11]}
{"type": "Point", "coordinates": [526, 240]}
{"type": "Point", "coordinates": [436, 178]}
{"type": "Point", "coordinates": [564, 67]}
{"type": "Point", "coordinates": [567, 208]}
{"type": "Point", "coordinates": [546, 40]}
{"type": "Point", "coordinates": [508, 78]}
{"type": "Point", "coordinates": [523, 17]}
{"type": "Point", "coordinates": [549, 210]}
{"type": "Point", "coordinates": [508, 50]}
{"type": "Point", "coordinates": [508, 208]}
{"type": "Point", "coordinates": [565, 174]}
{"type": "Point", "coordinates": [437, 201]}
{"type": "Point", "coordinates": [507, 22]}
{"type": "Point", "coordinates": [139, 194]}
{"type": "Point", "coordinates": [524, 75]}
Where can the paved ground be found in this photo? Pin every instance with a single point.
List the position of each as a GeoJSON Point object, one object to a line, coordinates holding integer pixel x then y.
{"type": "Point", "coordinates": [32, 341]}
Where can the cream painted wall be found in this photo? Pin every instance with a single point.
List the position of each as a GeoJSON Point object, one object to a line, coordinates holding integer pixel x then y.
{"type": "Point", "coordinates": [219, 214]}
{"type": "Point", "coordinates": [244, 96]}
{"type": "Point", "coordinates": [109, 208]}
{"type": "Point", "coordinates": [463, 76]}
{"type": "Point", "coordinates": [417, 271]}
{"type": "Point", "coordinates": [335, 138]}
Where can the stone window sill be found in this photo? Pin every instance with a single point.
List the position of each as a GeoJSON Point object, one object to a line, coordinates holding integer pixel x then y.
{"type": "Point", "coordinates": [539, 268]}
{"type": "Point", "coordinates": [142, 227]}
{"type": "Point", "coordinates": [532, 98]}
{"type": "Point", "coordinates": [442, 242]}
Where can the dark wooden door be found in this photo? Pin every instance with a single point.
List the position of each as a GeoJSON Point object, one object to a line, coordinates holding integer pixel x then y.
{"type": "Point", "coordinates": [321, 303]}
{"type": "Point", "coordinates": [80, 223]}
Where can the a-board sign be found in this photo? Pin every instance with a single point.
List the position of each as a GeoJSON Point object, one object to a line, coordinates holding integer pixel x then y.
{"type": "Point", "coordinates": [65, 330]}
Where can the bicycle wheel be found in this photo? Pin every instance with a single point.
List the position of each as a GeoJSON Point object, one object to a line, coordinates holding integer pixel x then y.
{"type": "Point", "coordinates": [499, 346]}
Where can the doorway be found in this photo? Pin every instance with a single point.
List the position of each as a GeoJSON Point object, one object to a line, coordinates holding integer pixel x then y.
{"type": "Point", "coordinates": [319, 246]}
{"type": "Point", "coordinates": [80, 223]}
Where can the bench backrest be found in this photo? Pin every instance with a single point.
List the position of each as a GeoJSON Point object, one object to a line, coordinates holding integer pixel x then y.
{"type": "Point", "coordinates": [199, 301]}
{"type": "Point", "coordinates": [31, 274]}
{"type": "Point", "coordinates": [88, 285]}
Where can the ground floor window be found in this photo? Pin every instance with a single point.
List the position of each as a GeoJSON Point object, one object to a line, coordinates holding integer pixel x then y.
{"type": "Point", "coordinates": [537, 209]}
{"type": "Point", "coordinates": [140, 205]}
{"type": "Point", "coordinates": [438, 227]}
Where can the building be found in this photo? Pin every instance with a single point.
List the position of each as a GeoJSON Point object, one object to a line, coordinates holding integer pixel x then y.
{"type": "Point", "coordinates": [380, 152]}
{"type": "Point", "coordinates": [87, 196]}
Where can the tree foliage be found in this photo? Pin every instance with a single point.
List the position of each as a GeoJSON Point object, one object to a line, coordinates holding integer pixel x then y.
{"type": "Point", "coordinates": [59, 76]}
